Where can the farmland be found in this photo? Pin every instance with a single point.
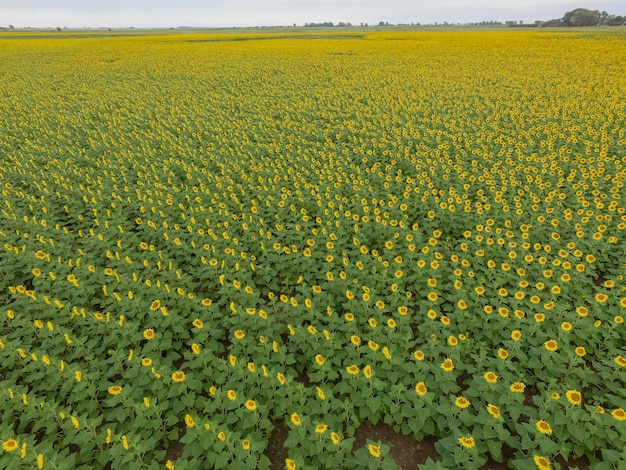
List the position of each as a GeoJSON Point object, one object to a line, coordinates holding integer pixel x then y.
{"type": "Point", "coordinates": [209, 238]}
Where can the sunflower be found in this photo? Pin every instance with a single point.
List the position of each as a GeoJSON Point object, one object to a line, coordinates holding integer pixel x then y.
{"type": "Point", "coordinates": [462, 402]}
{"type": "Point", "coordinates": [620, 361]}
{"type": "Point", "coordinates": [321, 428]}
{"type": "Point", "coordinates": [189, 421]}
{"type": "Point", "coordinates": [115, 390]}
{"type": "Point", "coordinates": [467, 442]}
{"type": "Point", "coordinates": [551, 345]}
{"type": "Point", "coordinates": [574, 397]}
{"type": "Point", "coordinates": [517, 387]}
{"type": "Point", "coordinates": [491, 377]}
{"type": "Point", "coordinates": [295, 419]}
{"type": "Point", "coordinates": [335, 438]}
{"type": "Point", "coordinates": [543, 427]}
{"type": "Point", "coordinates": [319, 359]}
{"type": "Point", "coordinates": [250, 405]}
{"type": "Point", "coordinates": [421, 389]}
{"type": "Point", "coordinates": [619, 414]}
{"type": "Point", "coordinates": [367, 371]}
{"type": "Point", "coordinates": [352, 370]}
{"type": "Point", "coordinates": [503, 353]}
{"type": "Point", "coordinates": [148, 333]}
{"type": "Point", "coordinates": [447, 365]}
{"type": "Point", "coordinates": [178, 376]}
{"type": "Point", "coordinates": [374, 450]}
{"type": "Point", "coordinates": [198, 323]}
{"type": "Point", "coordinates": [580, 351]}
{"type": "Point", "coordinates": [541, 462]}
{"type": "Point", "coordinates": [493, 410]}
{"type": "Point", "coordinates": [10, 445]}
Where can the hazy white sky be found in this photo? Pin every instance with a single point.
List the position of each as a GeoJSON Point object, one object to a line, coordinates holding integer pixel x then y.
{"type": "Point", "coordinates": [167, 13]}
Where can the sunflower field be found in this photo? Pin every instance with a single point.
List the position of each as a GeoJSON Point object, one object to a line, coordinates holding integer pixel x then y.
{"type": "Point", "coordinates": [204, 237]}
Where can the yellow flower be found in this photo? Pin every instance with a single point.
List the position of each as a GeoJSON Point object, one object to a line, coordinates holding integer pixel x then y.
{"type": "Point", "coordinates": [367, 371]}
{"type": "Point", "coordinates": [447, 365]}
{"type": "Point", "coordinates": [335, 438]}
{"type": "Point", "coordinates": [543, 427]}
{"type": "Point", "coordinates": [148, 333]}
{"type": "Point", "coordinates": [374, 450]}
{"type": "Point", "coordinates": [198, 323]}
{"type": "Point", "coordinates": [493, 410]}
{"type": "Point", "coordinates": [189, 421]}
{"type": "Point", "coordinates": [517, 387]}
{"type": "Point", "coordinates": [421, 389]}
{"type": "Point", "coordinates": [419, 355]}
{"type": "Point", "coordinates": [467, 442]}
{"type": "Point", "coordinates": [321, 428]}
{"type": "Point", "coordinates": [250, 405]}
{"type": "Point", "coordinates": [40, 461]}
{"type": "Point", "coordinates": [502, 353]}
{"type": "Point", "coordinates": [146, 361]}
{"type": "Point", "coordinates": [245, 444]}
{"type": "Point", "coordinates": [115, 390]}
{"type": "Point", "coordinates": [290, 464]}
{"type": "Point", "coordinates": [319, 359]}
{"type": "Point", "coordinates": [232, 395]}
{"type": "Point", "coordinates": [239, 334]}
{"type": "Point", "coordinates": [541, 462]}
{"type": "Point", "coordinates": [551, 345]}
{"type": "Point", "coordinates": [352, 370]}
{"type": "Point", "coordinates": [155, 305]}
{"type": "Point", "coordinates": [619, 414]}
{"type": "Point", "coordinates": [178, 376]}
{"type": "Point", "coordinates": [10, 445]}
{"type": "Point", "coordinates": [491, 377]}
{"type": "Point", "coordinates": [580, 351]}
{"type": "Point", "coordinates": [169, 465]}
{"type": "Point", "coordinates": [462, 402]}
{"type": "Point", "coordinates": [295, 419]}
{"type": "Point", "coordinates": [601, 298]}
{"type": "Point", "coordinates": [620, 361]}
{"type": "Point", "coordinates": [574, 397]}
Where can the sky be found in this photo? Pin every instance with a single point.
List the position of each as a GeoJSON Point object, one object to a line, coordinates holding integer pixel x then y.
{"type": "Point", "coordinates": [241, 13]}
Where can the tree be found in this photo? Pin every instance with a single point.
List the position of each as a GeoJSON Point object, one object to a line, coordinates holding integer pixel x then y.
{"type": "Point", "coordinates": [582, 17]}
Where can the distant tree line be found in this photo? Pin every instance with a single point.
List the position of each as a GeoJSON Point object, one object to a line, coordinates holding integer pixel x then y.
{"type": "Point", "coordinates": [585, 17]}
